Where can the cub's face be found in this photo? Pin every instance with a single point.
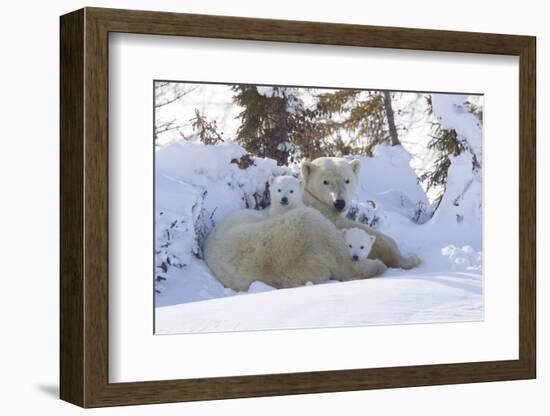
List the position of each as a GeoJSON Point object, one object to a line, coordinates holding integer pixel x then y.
{"type": "Point", "coordinates": [359, 243]}
{"type": "Point", "coordinates": [332, 181]}
{"type": "Point", "coordinates": [286, 191]}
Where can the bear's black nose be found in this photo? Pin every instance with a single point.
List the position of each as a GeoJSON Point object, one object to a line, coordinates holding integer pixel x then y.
{"type": "Point", "coordinates": [339, 204]}
{"type": "Point", "coordinates": [284, 200]}
{"type": "Point", "coordinates": [355, 257]}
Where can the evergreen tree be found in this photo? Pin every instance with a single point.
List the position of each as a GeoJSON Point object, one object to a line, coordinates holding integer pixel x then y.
{"type": "Point", "coordinates": [275, 124]}
{"type": "Point", "coordinates": [266, 121]}
{"type": "Point", "coordinates": [206, 130]}
{"type": "Point", "coordinates": [447, 144]}
{"type": "Point", "coordinates": [310, 135]}
{"type": "Point", "coordinates": [367, 117]}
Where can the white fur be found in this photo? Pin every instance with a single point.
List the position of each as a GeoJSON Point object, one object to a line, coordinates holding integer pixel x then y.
{"type": "Point", "coordinates": [305, 244]}
{"type": "Point", "coordinates": [283, 251]}
{"type": "Point", "coordinates": [359, 243]}
{"type": "Point", "coordinates": [286, 193]}
{"type": "Point", "coordinates": [329, 179]}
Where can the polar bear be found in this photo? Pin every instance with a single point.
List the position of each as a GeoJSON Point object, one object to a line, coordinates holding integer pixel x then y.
{"type": "Point", "coordinates": [359, 243]}
{"type": "Point", "coordinates": [285, 193]}
{"type": "Point", "coordinates": [329, 184]}
{"type": "Point", "coordinates": [282, 251]}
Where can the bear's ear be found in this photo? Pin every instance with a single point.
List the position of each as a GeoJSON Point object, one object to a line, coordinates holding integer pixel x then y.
{"type": "Point", "coordinates": [355, 166]}
{"type": "Point", "coordinates": [307, 169]}
{"type": "Point", "coordinates": [372, 238]}
{"type": "Point", "coordinates": [271, 179]}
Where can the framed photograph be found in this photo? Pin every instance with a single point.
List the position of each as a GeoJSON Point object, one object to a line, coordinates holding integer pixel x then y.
{"type": "Point", "coordinates": [255, 207]}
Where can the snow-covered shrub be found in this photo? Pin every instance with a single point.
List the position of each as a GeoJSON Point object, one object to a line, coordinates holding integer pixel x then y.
{"type": "Point", "coordinates": [422, 212]}
{"type": "Point", "coordinates": [196, 186]}
{"type": "Point", "coordinates": [259, 199]}
{"type": "Point", "coordinates": [387, 182]}
{"type": "Point", "coordinates": [461, 204]}
{"type": "Point", "coordinates": [366, 213]}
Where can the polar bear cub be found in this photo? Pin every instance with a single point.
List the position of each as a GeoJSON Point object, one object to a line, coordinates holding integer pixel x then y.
{"type": "Point", "coordinates": [359, 243]}
{"type": "Point", "coordinates": [286, 193]}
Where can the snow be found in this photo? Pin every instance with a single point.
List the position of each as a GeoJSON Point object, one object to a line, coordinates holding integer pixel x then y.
{"type": "Point", "coordinates": [461, 205]}
{"type": "Point", "coordinates": [388, 179]}
{"type": "Point", "coordinates": [411, 298]}
{"type": "Point", "coordinates": [452, 113]}
{"type": "Point", "coordinates": [209, 168]}
{"type": "Point", "coordinates": [197, 185]}
{"type": "Point", "coordinates": [416, 124]}
{"type": "Point", "coordinates": [271, 91]}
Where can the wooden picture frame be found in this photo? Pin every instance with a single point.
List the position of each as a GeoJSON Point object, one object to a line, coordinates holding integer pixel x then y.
{"type": "Point", "coordinates": [84, 207]}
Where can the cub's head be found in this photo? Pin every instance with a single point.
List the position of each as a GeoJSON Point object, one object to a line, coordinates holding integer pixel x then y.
{"type": "Point", "coordinates": [359, 243]}
{"type": "Point", "coordinates": [286, 191]}
{"type": "Point", "coordinates": [332, 181]}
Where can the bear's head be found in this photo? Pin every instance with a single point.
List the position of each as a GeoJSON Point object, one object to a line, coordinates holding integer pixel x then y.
{"type": "Point", "coordinates": [359, 243]}
{"type": "Point", "coordinates": [331, 181]}
{"type": "Point", "coordinates": [286, 191]}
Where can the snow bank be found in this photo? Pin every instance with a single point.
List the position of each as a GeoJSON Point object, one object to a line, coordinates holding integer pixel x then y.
{"type": "Point", "coordinates": [196, 186]}
{"type": "Point", "coordinates": [401, 299]}
{"type": "Point", "coordinates": [390, 183]}
{"type": "Point", "coordinates": [210, 169]}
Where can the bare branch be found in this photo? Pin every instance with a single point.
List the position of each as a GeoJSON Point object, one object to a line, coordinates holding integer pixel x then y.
{"type": "Point", "coordinates": [178, 92]}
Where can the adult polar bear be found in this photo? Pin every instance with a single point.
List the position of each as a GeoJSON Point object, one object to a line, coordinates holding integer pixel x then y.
{"type": "Point", "coordinates": [329, 184]}
{"type": "Point", "coordinates": [304, 244]}
{"type": "Point", "coordinates": [286, 250]}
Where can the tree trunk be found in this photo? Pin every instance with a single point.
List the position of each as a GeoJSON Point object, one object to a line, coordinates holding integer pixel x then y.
{"type": "Point", "coordinates": [391, 122]}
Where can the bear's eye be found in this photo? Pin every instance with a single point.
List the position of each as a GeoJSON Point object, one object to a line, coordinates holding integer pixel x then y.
{"type": "Point", "coordinates": [325, 182]}
{"type": "Point", "coordinates": [278, 190]}
{"type": "Point", "coordinates": [350, 246]}
{"type": "Point", "coordinates": [347, 180]}
{"type": "Point", "coordinates": [362, 247]}
{"type": "Point", "coordinates": [292, 191]}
